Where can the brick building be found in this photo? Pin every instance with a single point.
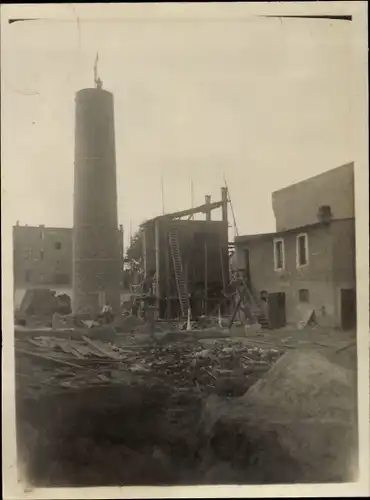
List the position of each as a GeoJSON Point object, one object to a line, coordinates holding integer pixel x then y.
{"type": "Point", "coordinates": [309, 262]}
{"type": "Point", "coordinates": [42, 258]}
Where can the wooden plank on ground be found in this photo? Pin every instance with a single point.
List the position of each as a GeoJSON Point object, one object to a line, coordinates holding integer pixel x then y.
{"type": "Point", "coordinates": [102, 349]}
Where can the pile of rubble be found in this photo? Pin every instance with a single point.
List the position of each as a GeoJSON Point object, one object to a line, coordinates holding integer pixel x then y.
{"type": "Point", "coordinates": [175, 408]}
{"type": "Point", "coordinates": [220, 365]}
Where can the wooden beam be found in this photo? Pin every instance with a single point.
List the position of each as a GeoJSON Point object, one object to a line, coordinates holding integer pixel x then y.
{"type": "Point", "coordinates": [157, 264]}
{"type": "Point", "coordinates": [205, 279]}
{"type": "Point", "coordinates": [168, 280]}
{"type": "Point", "coordinates": [224, 197]}
{"type": "Point", "coordinates": [145, 255]}
{"type": "Point", "coordinates": [222, 270]}
{"type": "Point", "coordinates": [191, 211]}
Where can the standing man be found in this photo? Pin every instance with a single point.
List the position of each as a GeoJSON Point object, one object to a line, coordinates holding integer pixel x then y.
{"type": "Point", "coordinates": [107, 314]}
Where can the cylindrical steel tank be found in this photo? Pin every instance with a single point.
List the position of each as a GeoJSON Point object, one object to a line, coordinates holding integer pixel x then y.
{"type": "Point", "coordinates": [96, 253]}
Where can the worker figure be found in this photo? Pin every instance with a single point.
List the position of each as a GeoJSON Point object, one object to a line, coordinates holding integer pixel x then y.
{"type": "Point", "coordinates": [135, 308]}
{"type": "Point", "coordinates": [264, 303]}
{"type": "Point", "coordinates": [107, 314]}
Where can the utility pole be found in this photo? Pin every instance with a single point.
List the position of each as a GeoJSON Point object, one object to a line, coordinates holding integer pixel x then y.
{"type": "Point", "coordinates": [232, 209]}
{"type": "Point", "coordinates": [162, 191]}
{"type": "Point", "coordinates": [192, 197]}
{"type": "Point", "coordinates": [97, 80]}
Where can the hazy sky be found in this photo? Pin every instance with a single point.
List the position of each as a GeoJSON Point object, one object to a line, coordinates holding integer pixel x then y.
{"type": "Point", "coordinates": [266, 101]}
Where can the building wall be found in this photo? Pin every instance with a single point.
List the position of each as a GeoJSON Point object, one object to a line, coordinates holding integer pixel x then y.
{"type": "Point", "coordinates": [334, 188]}
{"type": "Point", "coordinates": [192, 236]}
{"type": "Point", "coordinates": [42, 256]}
{"type": "Point", "coordinates": [344, 259]}
{"type": "Point", "coordinates": [330, 267]}
{"type": "Point", "coordinates": [344, 248]}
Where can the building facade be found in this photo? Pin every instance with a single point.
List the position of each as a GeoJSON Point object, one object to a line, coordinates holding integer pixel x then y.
{"type": "Point", "coordinates": [309, 262]}
{"type": "Point", "coordinates": [42, 258]}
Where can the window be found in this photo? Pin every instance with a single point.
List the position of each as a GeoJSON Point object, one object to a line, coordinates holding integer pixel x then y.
{"type": "Point", "coordinates": [28, 253]}
{"type": "Point", "coordinates": [303, 295]}
{"type": "Point", "coordinates": [58, 245]}
{"type": "Point", "coordinates": [61, 279]}
{"type": "Point", "coordinates": [42, 234]}
{"type": "Point", "coordinates": [302, 250]}
{"type": "Point", "coordinates": [42, 254]}
{"type": "Point", "coordinates": [279, 260]}
{"type": "Point", "coordinates": [27, 276]}
{"type": "Point", "coordinates": [324, 214]}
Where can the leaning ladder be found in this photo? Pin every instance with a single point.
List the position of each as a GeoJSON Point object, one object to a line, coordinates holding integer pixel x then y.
{"type": "Point", "coordinates": [253, 308]}
{"type": "Point", "coordinates": [173, 239]}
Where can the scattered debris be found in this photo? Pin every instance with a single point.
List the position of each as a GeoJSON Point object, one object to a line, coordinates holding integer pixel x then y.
{"type": "Point", "coordinates": [307, 316]}
{"type": "Point", "coordinates": [114, 379]}
{"type": "Point", "coordinates": [252, 329]}
{"type": "Point", "coordinates": [183, 359]}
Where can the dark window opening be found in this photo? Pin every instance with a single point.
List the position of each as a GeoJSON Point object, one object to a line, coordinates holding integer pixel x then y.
{"type": "Point", "coordinates": [28, 253]}
{"type": "Point", "coordinates": [41, 254]}
{"type": "Point", "coordinates": [303, 295]}
{"type": "Point", "coordinates": [279, 254]}
{"type": "Point", "coordinates": [58, 245]}
{"type": "Point", "coordinates": [61, 279]}
{"type": "Point", "coordinates": [27, 276]}
{"type": "Point", "coordinates": [302, 250]}
{"type": "Point", "coordinates": [324, 214]}
{"type": "Point", "coordinates": [264, 295]}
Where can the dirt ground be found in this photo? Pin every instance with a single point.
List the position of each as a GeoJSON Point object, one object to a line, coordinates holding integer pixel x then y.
{"type": "Point", "coordinates": [336, 345]}
{"type": "Point", "coordinates": [149, 430]}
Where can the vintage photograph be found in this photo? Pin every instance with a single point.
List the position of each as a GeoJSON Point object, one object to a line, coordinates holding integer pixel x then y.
{"type": "Point", "coordinates": [182, 200]}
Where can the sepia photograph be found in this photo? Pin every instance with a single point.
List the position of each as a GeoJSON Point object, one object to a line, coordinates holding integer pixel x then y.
{"type": "Point", "coordinates": [185, 240]}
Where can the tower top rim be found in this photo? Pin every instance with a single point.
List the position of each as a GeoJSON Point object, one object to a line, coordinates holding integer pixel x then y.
{"type": "Point", "coordinates": [94, 90]}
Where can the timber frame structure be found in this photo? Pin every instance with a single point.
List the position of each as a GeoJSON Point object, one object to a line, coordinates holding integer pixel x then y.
{"type": "Point", "coordinates": [184, 261]}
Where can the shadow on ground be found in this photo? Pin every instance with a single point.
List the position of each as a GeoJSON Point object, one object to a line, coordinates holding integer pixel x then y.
{"type": "Point", "coordinates": [139, 436]}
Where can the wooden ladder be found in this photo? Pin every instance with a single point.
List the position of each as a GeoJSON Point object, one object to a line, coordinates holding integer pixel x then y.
{"type": "Point", "coordinates": [254, 309]}
{"type": "Point", "coordinates": [182, 292]}
{"type": "Point", "coordinates": [154, 284]}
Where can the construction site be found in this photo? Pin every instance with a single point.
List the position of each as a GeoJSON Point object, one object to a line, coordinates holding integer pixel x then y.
{"type": "Point", "coordinates": [183, 373]}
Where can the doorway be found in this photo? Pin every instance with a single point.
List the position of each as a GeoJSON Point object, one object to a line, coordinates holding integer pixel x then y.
{"type": "Point", "coordinates": [348, 308]}
{"type": "Point", "coordinates": [276, 307]}
{"type": "Point", "coordinates": [247, 266]}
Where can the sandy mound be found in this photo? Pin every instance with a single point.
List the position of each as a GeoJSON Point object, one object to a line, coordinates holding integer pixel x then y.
{"type": "Point", "coordinates": [307, 406]}
{"type": "Point", "coordinates": [304, 385]}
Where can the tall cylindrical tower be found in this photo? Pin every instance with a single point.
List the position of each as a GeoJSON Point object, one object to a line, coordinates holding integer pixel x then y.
{"type": "Point", "coordinates": [96, 252]}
